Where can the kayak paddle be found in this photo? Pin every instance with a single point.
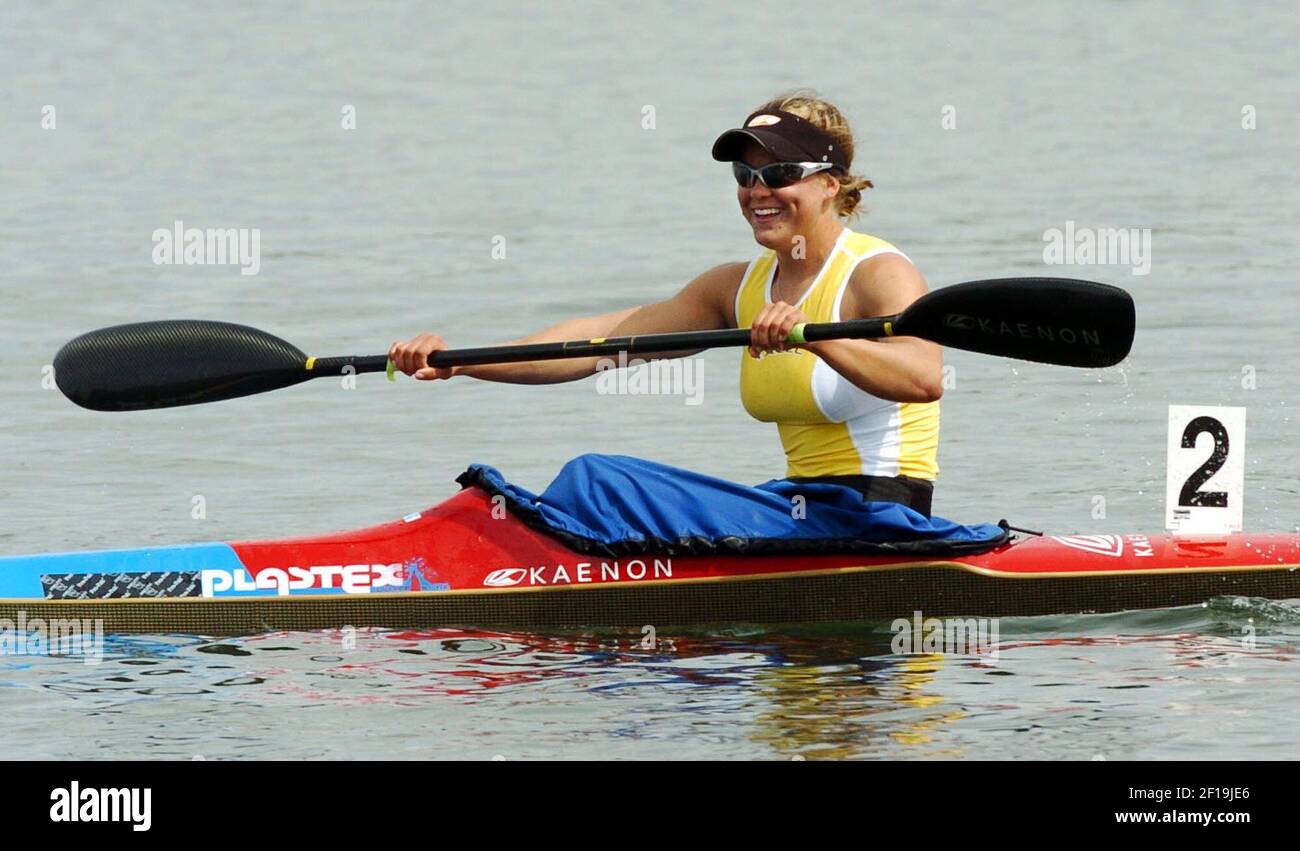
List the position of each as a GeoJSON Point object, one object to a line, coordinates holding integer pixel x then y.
{"type": "Point", "coordinates": [176, 362]}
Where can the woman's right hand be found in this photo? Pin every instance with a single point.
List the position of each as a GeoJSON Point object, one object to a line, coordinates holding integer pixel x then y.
{"type": "Point", "coordinates": [771, 328]}
{"type": "Point", "coordinates": [412, 356]}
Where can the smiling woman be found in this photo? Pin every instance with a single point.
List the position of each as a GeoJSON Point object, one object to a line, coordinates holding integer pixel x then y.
{"type": "Point", "coordinates": [860, 413]}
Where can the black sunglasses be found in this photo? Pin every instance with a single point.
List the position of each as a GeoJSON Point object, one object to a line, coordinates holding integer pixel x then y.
{"type": "Point", "coordinates": [776, 175]}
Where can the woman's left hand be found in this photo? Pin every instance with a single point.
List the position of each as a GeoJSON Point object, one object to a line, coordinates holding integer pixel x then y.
{"type": "Point", "coordinates": [772, 326]}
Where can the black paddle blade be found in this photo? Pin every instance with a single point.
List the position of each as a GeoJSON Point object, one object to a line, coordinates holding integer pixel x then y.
{"type": "Point", "coordinates": [1049, 320]}
{"type": "Point", "coordinates": [175, 362]}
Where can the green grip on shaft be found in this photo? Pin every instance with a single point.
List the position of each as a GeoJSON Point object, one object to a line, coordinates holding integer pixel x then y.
{"type": "Point", "coordinates": [796, 335]}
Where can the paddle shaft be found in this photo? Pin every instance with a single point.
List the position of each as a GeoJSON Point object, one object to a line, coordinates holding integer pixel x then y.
{"type": "Point", "coordinates": [642, 344]}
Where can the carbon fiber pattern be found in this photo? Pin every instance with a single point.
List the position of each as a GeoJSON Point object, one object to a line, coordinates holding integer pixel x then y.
{"type": "Point", "coordinates": [105, 586]}
{"type": "Point", "coordinates": [174, 362]}
{"type": "Point", "coordinates": [937, 592]}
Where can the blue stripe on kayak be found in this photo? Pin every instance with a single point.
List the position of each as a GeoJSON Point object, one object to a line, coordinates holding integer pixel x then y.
{"type": "Point", "coordinates": [20, 576]}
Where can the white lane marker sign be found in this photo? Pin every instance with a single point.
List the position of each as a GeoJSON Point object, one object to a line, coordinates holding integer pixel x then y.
{"type": "Point", "coordinates": [1206, 469]}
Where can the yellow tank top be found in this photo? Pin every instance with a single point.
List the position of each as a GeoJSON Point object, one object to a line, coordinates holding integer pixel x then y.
{"type": "Point", "coordinates": [829, 426]}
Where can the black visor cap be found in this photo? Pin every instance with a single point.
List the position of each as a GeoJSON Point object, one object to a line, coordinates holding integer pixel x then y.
{"type": "Point", "coordinates": [786, 136]}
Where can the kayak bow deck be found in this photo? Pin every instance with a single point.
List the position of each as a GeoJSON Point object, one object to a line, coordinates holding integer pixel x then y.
{"type": "Point", "coordinates": [458, 565]}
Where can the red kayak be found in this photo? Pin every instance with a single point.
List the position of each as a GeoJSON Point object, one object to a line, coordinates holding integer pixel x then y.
{"type": "Point", "coordinates": [458, 565]}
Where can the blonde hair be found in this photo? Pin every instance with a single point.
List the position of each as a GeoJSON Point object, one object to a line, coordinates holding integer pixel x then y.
{"type": "Point", "coordinates": [812, 107]}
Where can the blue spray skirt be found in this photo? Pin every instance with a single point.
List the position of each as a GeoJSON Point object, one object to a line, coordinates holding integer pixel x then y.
{"type": "Point", "coordinates": [616, 505]}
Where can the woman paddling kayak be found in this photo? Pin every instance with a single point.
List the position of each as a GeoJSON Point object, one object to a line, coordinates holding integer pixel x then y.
{"type": "Point", "coordinates": [862, 413]}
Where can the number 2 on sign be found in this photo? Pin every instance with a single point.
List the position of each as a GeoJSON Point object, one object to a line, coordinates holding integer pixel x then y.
{"type": "Point", "coordinates": [1204, 492]}
{"type": "Point", "coordinates": [1191, 494]}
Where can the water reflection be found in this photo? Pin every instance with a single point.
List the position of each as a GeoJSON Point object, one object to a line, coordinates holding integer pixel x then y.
{"type": "Point", "coordinates": [1069, 687]}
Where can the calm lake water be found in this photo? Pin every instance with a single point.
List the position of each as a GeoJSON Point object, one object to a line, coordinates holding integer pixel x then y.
{"type": "Point", "coordinates": [487, 124]}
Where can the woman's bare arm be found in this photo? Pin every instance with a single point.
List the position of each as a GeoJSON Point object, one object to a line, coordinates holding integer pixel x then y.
{"type": "Point", "coordinates": [703, 304]}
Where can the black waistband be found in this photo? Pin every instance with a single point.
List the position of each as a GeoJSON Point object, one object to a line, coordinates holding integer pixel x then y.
{"type": "Point", "coordinates": [916, 494]}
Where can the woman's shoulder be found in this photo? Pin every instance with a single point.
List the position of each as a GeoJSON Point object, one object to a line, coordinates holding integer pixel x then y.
{"type": "Point", "coordinates": [867, 246]}
{"type": "Point", "coordinates": [884, 281]}
{"type": "Point", "coordinates": [722, 279]}
{"type": "Point", "coordinates": [720, 287]}
{"type": "Point", "coordinates": [731, 270]}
